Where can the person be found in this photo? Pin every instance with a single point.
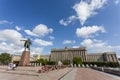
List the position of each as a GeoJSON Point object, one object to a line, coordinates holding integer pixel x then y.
{"type": "Point", "coordinates": [14, 65]}
{"type": "Point", "coordinates": [10, 66]}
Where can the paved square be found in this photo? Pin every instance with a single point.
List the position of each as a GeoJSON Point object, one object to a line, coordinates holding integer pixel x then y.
{"type": "Point", "coordinates": [31, 73]}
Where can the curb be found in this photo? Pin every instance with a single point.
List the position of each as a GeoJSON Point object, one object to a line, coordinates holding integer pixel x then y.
{"type": "Point", "coordinates": [19, 73]}
{"type": "Point", "coordinates": [65, 74]}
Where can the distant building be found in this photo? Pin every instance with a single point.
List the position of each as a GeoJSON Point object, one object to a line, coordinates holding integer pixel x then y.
{"type": "Point", "coordinates": [95, 57]}
{"type": "Point", "coordinates": [45, 57]}
{"type": "Point", "coordinates": [33, 58]}
{"type": "Point", "coordinates": [119, 58]}
{"type": "Point", "coordinates": [70, 53]}
{"type": "Point", "coordinates": [36, 57]}
{"type": "Point", "coordinates": [18, 57]}
{"type": "Point", "coordinates": [102, 57]}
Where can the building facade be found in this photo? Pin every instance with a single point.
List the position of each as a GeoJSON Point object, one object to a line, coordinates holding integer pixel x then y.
{"type": "Point", "coordinates": [33, 58]}
{"type": "Point", "coordinates": [102, 57]}
{"type": "Point", "coordinates": [70, 53]}
{"type": "Point", "coordinates": [36, 57]}
{"type": "Point", "coordinates": [45, 57]}
{"type": "Point", "coordinates": [110, 57]}
{"type": "Point", "coordinates": [18, 57]}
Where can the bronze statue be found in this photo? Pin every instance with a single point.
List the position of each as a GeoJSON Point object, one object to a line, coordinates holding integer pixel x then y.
{"type": "Point", "coordinates": [27, 44]}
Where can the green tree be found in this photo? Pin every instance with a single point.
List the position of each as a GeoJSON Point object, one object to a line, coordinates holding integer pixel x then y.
{"type": "Point", "coordinates": [42, 61]}
{"type": "Point", "coordinates": [66, 62]}
{"type": "Point", "coordinates": [51, 62]}
{"type": "Point", "coordinates": [5, 58]}
{"type": "Point", "coordinates": [77, 60]}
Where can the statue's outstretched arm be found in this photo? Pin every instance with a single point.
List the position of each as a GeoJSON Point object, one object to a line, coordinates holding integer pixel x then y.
{"type": "Point", "coordinates": [23, 40]}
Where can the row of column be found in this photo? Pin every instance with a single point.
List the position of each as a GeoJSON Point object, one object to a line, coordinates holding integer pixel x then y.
{"type": "Point", "coordinates": [68, 55]}
{"type": "Point", "coordinates": [111, 58]}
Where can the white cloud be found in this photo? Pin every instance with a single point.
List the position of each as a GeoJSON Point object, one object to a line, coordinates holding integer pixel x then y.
{"type": "Point", "coordinates": [5, 22]}
{"type": "Point", "coordinates": [98, 46]}
{"type": "Point", "coordinates": [18, 28]}
{"type": "Point", "coordinates": [95, 45]}
{"type": "Point", "coordinates": [10, 48]}
{"type": "Point", "coordinates": [117, 2]}
{"type": "Point", "coordinates": [10, 43]}
{"type": "Point", "coordinates": [84, 10]}
{"type": "Point", "coordinates": [42, 30]}
{"type": "Point", "coordinates": [15, 49]}
{"type": "Point", "coordinates": [36, 50]}
{"type": "Point", "coordinates": [62, 22]}
{"type": "Point", "coordinates": [39, 30]}
{"type": "Point", "coordinates": [118, 56]}
{"type": "Point", "coordinates": [92, 43]}
{"type": "Point", "coordinates": [41, 42]}
{"type": "Point", "coordinates": [11, 36]}
{"type": "Point", "coordinates": [68, 21]}
{"type": "Point", "coordinates": [75, 46]}
{"type": "Point", "coordinates": [51, 37]}
{"type": "Point", "coordinates": [68, 42]}
{"type": "Point", "coordinates": [30, 33]}
{"type": "Point", "coordinates": [87, 32]}
{"type": "Point", "coordinates": [87, 42]}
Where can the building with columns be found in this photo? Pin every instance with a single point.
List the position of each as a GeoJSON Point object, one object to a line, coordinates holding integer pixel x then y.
{"type": "Point", "coordinates": [102, 57]}
{"type": "Point", "coordinates": [70, 53]}
{"type": "Point", "coordinates": [110, 57]}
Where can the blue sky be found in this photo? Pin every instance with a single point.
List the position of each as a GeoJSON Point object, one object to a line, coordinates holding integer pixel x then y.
{"type": "Point", "coordinates": [59, 23]}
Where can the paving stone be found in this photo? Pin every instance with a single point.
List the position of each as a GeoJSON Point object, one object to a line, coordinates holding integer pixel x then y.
{"type": "Point", "coordinates": [90, 74]}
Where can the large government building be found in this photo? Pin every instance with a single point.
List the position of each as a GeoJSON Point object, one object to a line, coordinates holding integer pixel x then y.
{"type": "Point", "coordinates": [70, 53]}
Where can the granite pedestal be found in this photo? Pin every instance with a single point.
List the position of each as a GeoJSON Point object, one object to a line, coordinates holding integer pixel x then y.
{"type": "Point", "coordinates": [25, 59]}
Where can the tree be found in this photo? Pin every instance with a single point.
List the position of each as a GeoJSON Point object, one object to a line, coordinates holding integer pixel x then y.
{"type": "Point", "coordinates": [41, 60]}
{"type": "Point", "coordinates": [66, 62]}
{"type": "Point", "coordinates": [5, 58]}
{"type": "Point", "coordinates": [51, 62]}
{"type": "Point", "coordinates": [77, 60]}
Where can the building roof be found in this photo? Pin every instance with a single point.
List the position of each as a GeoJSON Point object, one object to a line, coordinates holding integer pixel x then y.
{"type": "Point", "coordinates": [67, 48]}
{"type": "Point", "coordinates": [101, 53]}
{"type": "Point", "coordinates": [91, 54]}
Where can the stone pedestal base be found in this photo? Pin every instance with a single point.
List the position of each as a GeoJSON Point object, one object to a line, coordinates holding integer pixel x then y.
{"type": "Point", "coordinates": [25, 59]}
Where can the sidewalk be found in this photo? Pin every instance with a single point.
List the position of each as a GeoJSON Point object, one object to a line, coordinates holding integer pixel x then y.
{"type": "Point", "coordinates": [22, 73]}
{"type": "Point", "coordinates": [90, 74]}
{"type": "Point", "coordinates": [54, 75]}
{"type": "Point", "coordinates": [31, 73]}
{"type": "Point", "coordinates": [70, 75]}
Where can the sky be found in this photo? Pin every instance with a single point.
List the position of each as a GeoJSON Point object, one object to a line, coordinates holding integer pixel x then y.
{"type": "Point", "coordinates": [49, 24]}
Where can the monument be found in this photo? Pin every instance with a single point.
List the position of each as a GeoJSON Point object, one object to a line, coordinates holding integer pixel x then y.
{"type": "Point", "coordinates": [25, 58]}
